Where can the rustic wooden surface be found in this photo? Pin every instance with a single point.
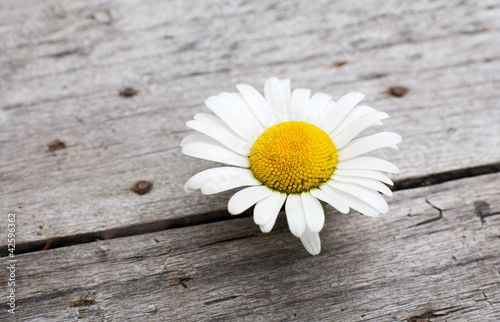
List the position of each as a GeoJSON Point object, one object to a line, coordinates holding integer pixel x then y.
{"type": "Point", "coordinates": [436, 252]}
{"type": "Point", "coordinates": [63, 65]}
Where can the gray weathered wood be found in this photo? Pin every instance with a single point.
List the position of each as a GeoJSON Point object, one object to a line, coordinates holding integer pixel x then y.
{"type": "Point", "coordinates": [390, 268]}
{"type": "Point", "coordinates": [64, 63]}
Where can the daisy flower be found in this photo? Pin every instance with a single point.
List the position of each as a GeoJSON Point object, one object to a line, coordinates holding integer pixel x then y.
{"type": "Point", "coordinates": [294, 149]}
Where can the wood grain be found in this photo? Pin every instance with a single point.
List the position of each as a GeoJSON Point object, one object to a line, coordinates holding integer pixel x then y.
{"type": "Point", "coordinates": [64, 65]}
{"type": "Point", "coordinates": [434, 255]}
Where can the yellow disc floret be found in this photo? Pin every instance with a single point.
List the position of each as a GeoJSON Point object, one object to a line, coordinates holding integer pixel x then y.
{"type": "Point", "coordinates": [293, 157]}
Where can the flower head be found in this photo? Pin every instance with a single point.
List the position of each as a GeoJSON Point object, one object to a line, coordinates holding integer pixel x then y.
{"type": "Point", "coordinates": [295, 149]}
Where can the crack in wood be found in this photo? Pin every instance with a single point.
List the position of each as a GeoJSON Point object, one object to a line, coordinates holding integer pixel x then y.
{"type": "Point", "coordinates": [181, 279]}
{"type": "Point", "coordinates": [83, 301]}
{"type": "Point", "coordinates": [437, 178]}
{"type": "Point", "coordinates": [425, 316]}
{"type": "Point", "coordinates": [228, 240]}
{"type": "Point", "coordinates": [431, 219]}
{"type": "Point", "coordinates": [224, 299]}
{"type": "Point", "coordinates": [431, 313]}
{"type": "Point", "coordinates": [138, 229]}
{"type": "Point", "coordinates": [66, 52]}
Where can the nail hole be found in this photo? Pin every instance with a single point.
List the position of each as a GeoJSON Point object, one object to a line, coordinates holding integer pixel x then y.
{"type": "Point", "coordinates": [339, 63]}
{"type": "Point", "coordinates": [128, 92]}
{"type": "Point", "coordinates": [397, 91]}
{"type": "Point", "coordinates": [56, 145]}
{"type": "Point", "coordinates": [143, 187]}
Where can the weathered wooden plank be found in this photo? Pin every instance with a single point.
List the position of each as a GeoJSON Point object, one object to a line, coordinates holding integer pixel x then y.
{"type": "Point", "coordinates": [436, 252]}
{"type": "Point", "coordinates": [64, 64]}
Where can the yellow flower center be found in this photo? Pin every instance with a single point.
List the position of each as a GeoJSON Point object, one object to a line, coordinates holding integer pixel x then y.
{"type": "Point", "coordinates": [293, 157]}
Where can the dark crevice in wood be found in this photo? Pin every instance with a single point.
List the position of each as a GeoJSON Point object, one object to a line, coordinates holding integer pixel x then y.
{"type": "Point", "coordinates": [132, 230]}
{"type": "Point", "coordinates": [228, 240]}
{"type": "Point", "coordinates": [221, 300]}
{"type": "Point", "coordinates": [437, 178]}
{"type": "Point", "coordinates": [211, 217]}
{"type": "Point", "coordinates": [439, 216]}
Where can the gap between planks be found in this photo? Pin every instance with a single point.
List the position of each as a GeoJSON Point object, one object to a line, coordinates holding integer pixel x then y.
{"type": "Point", "coordinates": [210, 217]}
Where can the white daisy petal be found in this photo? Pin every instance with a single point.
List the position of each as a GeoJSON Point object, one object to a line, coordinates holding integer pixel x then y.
{"type": "Point", "coordinates": [258, 104]}
{"type": "Point", "coordinates": [268, 226]}
{"type": "Point", "coordinates": [368, 163]}
{"type": "Point", "coordinates": [348, 101]}
{"type": "Point", "coordinates": [300, 99]}
{"type": "Point", "coordinates": [316, 106]}
{"type": "Point", "coordinates": [221, 174]}
{"type": "Point", "coordinates": [233, 116]}
{"type": "Point", "coordinates": [295, 215]}
{"type": "Point", "coordinates": [364, 173]}
{"type": "Point", "coordinates": [314, 213]}
{"type": "Point", "coordinates": [285, 87]}
{"type": "Point", "coordinates": [311, 242]}
{"type": "Point", "coordinates": [228, 180]}
{"type": "Point", "coordinates": [215, 128]}
{"type": "Point", "coordinates": [333, 116]}
{"type": "Point", "coordinates": [238, 102]}
{"type": "Point", "coordinates": [370, 196]}
{"type": "Point", "coordinates": [353, 115]}
{"type": "Point", "coordinates": [330, 199]}
{"type": "Point", "coordinates": [246, 198]}
{"type": "Point", "coordinates": [367, 144]}
{"type": "Point", "coordinates": [276, 96]}
{"type": "Point", "coordinates": [366, 182]}
{"type": "Point", "coordinates": [268, 208]}
{"type": "Point", "coordinates": [353, 201]}
{"type": "Point", "coordinates": [203, 147]}
{"type": "Point", "coordinates": [357, 127]}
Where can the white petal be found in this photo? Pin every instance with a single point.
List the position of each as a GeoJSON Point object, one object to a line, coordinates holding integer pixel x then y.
{"type": "Point", "coordinates": [353, 202]}
{"type": "Point", "coordinates": [332, 117]}
{"type": "Point", "coordinates": [365, 182]}
{"type": "Point", "coordinates": [331, 199]}
{"type": "Point", "coordinates": [246, 198]}
{"type": "Point", "coordinates": [367, 144]}
{"type": "Point", "coordinates": [363, 173]}
{"type": "Point", "coordinates": [226, 180]}
{"type": "Point", "coordinates": [371, 197]}
{"type": "Point", "coordinates": [350, 100]}
{"type": "Point", "coordinates": [215, 128]}
{"type": "Point", "coordinates": [258, 104]}
{"type": "Point", "coordinates": [314, 213]}
{"type": "Point", "coordinates": [203, 147]}
{"type": "Point", "coordinates": [237, 101]}
{"type": "Point", "coordinates": [316, 106]}
{"type": "Point", "coordinates": [238, 118]}
{"type": "Point", "coordinates": [268, 208]}
{"type": "Point", "coordinates": [218, 174]}
{"type": "Point", "coordinates": [357, 127]}
{"type": "Point", "coordinates": [285, 87]}
{"type": "Point", "coordinates": [311, 242]}
{"type": "Point", "coordinates": [295, 214]}
{"type": "Point", "coordinates": [353, 115]}
{"type": "Point", "coordinates": [300, 99]}
{"type": "Point", "coordinates": [368, 163]}
{"type": "Point", "coordinates": [276, 96]}
{"type": "Point", "coordinates": [266, 227]}
{"type": "Point", "coordinates": [327, 117]}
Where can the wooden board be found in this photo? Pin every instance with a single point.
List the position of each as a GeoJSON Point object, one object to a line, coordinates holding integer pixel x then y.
{"type": "Point", "coordinates": [64, 64]}
{"type": "Point", "coordinates": [434, 256]}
